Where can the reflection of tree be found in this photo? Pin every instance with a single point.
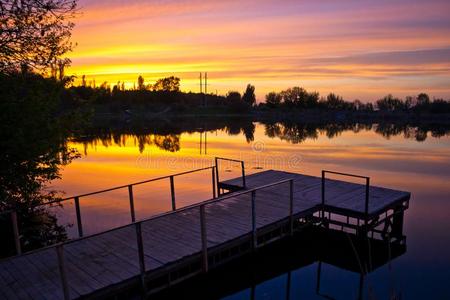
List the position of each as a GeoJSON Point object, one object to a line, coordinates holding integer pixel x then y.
{"type": "Point", "coordinates": [249, 132]}
{"type": "Point", "coordinates": [170, 142]}
{"type": "Point", "coordinates": [298, 132]}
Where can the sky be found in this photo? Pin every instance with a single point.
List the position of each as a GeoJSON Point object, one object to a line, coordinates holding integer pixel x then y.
{"type": "Point", "coordinates": [359, 49]}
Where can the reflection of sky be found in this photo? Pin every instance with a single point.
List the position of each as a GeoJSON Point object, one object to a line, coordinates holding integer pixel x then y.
{"type": "Point", "coordinates": [423, 168]}
{"type": "Point", "coordinates": [361, 49]}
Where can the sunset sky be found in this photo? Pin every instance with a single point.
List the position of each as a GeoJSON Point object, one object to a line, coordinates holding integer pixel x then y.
{"type": "Point", "coordinates": [359, 49]}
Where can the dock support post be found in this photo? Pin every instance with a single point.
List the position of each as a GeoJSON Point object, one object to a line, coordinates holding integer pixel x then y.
{"type": "Point", "coordinates": [243, 175]}
{"type": "Point", "coordinates": [254, 232]}
{"type": "Point", "coordinates": [130, 193]}
{"type": "Point", "coordinates": [397, 222]}
{"type": "Point", "coordinates": [62, 271]}
{"type": "Point", "coordinates": [78, 212]}
{"type": "Point", "coordinates": [15, 227]}
{"type": "Point", "coordinates": [213, 179]}
{"type": "Point", "coordinates": [140, 245]}
{"type": "Point", "coordinates": [172, 193]}
{"type": "Point", "coordinates": [291, 206]}
{"type": "Point", "coordinates": [288, 286]}
{"type": "Point", "coordinates": [204, 239]}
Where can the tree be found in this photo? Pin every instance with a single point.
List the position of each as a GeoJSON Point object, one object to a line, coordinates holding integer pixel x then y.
{"type": "Point", "coordinates": [168, 84]}
{"type": "Point", "coordinates": [34, 147]}
{"type": "Point", "coordinates": [423, 99]}
{"type": "Point", "coordinates": [141, 84]}
{"type": "Point", "coordinates": [249, 95]}
{"type": "Point", "coordinates": [389, 103]}
{"type": "Point", "coordinates": [273, 99]}
{"type": "Point", "coordinates": [34, 34]}
{"type": "Point", "coordinates": [295, 96]}
{"type": "Point", "coordinates": [334, 102]}
{"type": "Point", "coordinates": [235, 102]}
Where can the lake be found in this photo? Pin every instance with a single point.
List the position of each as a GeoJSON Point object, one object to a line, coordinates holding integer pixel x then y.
{"type": "Point", "coordinates": [404, 158]}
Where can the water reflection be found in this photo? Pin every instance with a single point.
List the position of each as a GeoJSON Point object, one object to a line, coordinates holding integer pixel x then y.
{"type": "Point", "coordinates": [315, 264]}
{"type": "Point", "coordinates": [166, 134]}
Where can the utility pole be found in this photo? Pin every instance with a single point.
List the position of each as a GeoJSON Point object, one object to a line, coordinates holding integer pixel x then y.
{"type": "Point", "coordinates": [206, 83]}
{"type": "Point", "coordinates": [201, 87]}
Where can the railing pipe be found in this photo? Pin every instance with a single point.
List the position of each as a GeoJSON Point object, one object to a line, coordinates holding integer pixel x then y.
{"type": "Point", "coordinates": [78, 212]}
{"type": "Point", "coordinates": [366, 202]}
{"type": "Point", "coordinates": [185, 208]}
{"type": "Point", "coordinates": [217, 175]}
{"type": "Point", "coordinates": [172, 193]}
{"type": "Point", "coordinates": [132, 212]}
{"type": "Point", "coordinates": [243, 174]}
{"type": "Point", "coordinates": [213, 180]}
{"type": "Point", "coordinates": [366, 207]}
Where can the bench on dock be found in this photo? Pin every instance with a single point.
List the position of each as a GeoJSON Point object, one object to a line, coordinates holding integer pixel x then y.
{"type": "Point", "coordinates": [249, 212]}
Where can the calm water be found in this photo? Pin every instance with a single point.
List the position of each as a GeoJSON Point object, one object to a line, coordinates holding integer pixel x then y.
{"type": "Point", "coordinates": [406, 160]}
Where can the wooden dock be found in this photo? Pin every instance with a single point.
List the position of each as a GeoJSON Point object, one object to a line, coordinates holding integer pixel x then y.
{"type": "Point", "coordinates": [250, 212]}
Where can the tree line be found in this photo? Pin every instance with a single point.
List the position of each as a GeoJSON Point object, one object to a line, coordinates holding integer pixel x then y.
{"type": "Point", "coordinates": [298, 98]}
{"type": "Point", "coordinates": [165, 92]}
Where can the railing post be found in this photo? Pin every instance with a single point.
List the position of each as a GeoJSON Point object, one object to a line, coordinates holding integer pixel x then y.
{"type": "Point", "coordinates": [243, 175]}
{"type": "Point", "coordinates": [323, 194]}
{"type": "Point", "coordinates": [213, 179]}
{"type": "Point", "coordinates": [291, 206]}
{"type": "Point", "coordinates": [62, 271]}
{"type": "Point", "coordinates": [204, 239]}
{"type": "Point", "coordinates": [172, 193]}
{"type": "Point", "coordinates": [78, 212]}
{"type": "Point", "coordinates": [141, 256]}
{"type": "Point", "coordinates": [130, 193]}
{"type": "Point", "coordinates": [254, 232]}
{"type": "Point", "coordinates": [217, 176]}
{"type": "Point", "coordinates": [366, 208]}
{"type": "Point", "coordinates": [15, 227]}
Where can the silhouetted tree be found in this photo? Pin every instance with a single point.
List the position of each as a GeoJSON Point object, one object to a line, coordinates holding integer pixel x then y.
{"type": "Point", "coordinates": [33, 148]}
{"type": "Point", "coordinates": [141, 84]}
{"type": "Point", "coordinates": [389, 103]}
{"type": "Point", "coordinates": [249, 95]}
{"type": "Point", "coordinates": [34, 34]}
{"type": "Point", "coordinates": [273, 99]}
{"type": "Point", "coordinates": [294, 97]}
{"type": "Point", "coordinates": [168, 84]}
{"type": "Point", "coordinates": [334, 102]}
{"type": "Point", "coordinates": [423, 99]}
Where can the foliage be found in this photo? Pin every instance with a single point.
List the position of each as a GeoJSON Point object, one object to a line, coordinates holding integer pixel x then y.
{"type": "Point", "coordinates": [35, 34]}
{"type": "Point", "coordinates": [299, 99]}
{"type": "Point", "coordinates": [273, 100]}
{"type": "Point", "coordinates": [249, 95]}
{"type": "Point", "coordinates": [33, 147]}
{"type": "Point", "coordinates": [168, 84]}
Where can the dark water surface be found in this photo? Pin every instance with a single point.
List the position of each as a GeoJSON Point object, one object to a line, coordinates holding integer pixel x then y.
{"type": "Point", "coordinates": [399, 157]}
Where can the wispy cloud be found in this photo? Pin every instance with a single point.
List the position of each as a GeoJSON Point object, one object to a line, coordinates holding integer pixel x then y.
{"type": "Point", "coordinates": [360, 48]}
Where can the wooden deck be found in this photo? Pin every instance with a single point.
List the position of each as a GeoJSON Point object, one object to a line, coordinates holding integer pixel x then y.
{"type": "Point", "coordinates": [106, 263]}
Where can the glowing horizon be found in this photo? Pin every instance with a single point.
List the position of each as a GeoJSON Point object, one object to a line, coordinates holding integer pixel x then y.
{"type": "Point", "coordinates": [359, 49]}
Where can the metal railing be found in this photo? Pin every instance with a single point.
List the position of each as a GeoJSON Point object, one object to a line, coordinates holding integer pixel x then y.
{"type": "Point", "coordinates": [367, 186]}
{"type": "Point", "coordinates": [216, 162]}
{"type": "Point", "coordinates": [13, 213]}
{"type": "Point", "coordinates": [59, 248]}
